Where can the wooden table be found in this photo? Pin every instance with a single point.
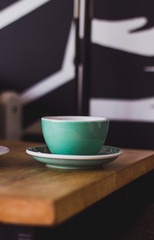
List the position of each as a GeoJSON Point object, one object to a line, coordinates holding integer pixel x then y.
{"type": "Point", "coordinates": [33, 194]}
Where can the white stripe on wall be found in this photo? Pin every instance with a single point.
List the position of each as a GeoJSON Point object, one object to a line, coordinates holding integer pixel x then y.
{"type": "Point", "coordinates": [64, 75]}
{"type": "Point", "coordinates": [117, 35]}
{"type": "Point", "coordinates": [17, 10]}
{"type": "Point", "coordinates": [141, 110]}
{"type": "Point", "coordinates": [149, 69]}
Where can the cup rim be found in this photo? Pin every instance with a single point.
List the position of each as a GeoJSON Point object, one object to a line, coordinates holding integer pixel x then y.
{"type": "Point", "coordinates": [75, 119]}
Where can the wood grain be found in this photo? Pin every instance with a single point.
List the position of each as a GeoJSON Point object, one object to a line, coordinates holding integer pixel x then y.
{"type": "Point", "coordinates": [32, 194]}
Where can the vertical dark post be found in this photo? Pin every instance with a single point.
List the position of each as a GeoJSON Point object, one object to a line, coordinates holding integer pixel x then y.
{"type": "Point", "coordinates": [77, 48]}
{"type": "Point", "coordinates": [86, 59]}
{"type": "Point", "coordinates": [83, 64]}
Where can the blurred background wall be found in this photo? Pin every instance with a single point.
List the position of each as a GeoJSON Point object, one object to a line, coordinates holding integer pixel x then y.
{"type": "Point", "coordinates": [122, 86]}
{"type": "Point", "coordinates": [37, 63]}
{"type": "Point", "coordinates": [37, 59]}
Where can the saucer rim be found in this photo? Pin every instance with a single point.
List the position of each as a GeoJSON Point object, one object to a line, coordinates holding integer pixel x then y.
{"type": "Point", "coordinates": [74, 157]}
{"type": "Point", "coordinates": [5, 150]}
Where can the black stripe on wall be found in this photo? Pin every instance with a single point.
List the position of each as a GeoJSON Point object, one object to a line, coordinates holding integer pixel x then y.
{"type": "Point", "coordinates": [131, 135]}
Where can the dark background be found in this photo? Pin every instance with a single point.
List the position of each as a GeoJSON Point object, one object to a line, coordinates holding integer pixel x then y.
{"type": "Point", "coordinates": [118, 74]}
{"type": "Point", "coordinates": [32, 48]}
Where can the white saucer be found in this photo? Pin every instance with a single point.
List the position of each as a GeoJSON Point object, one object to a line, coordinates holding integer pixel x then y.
{"type": "Point", "coordinates": [106, 154]}
{"type": "Point", "coordinates": [3, 150]}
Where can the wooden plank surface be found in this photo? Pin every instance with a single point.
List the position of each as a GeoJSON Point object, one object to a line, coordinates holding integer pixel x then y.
{"type": "Point", "coordinates": [33, 194]}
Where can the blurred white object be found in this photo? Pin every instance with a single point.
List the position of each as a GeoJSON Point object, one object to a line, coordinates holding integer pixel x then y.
{"type": "Point", "coordinates": [10, 116]}
{"type": "Point", "coordinates": [140, 110]}
{"type": "Point", "coordinates": [106, 33]}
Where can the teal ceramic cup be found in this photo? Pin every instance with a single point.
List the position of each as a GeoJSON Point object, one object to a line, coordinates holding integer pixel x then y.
{"type": "Point", "coordinates": [74, 135]}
